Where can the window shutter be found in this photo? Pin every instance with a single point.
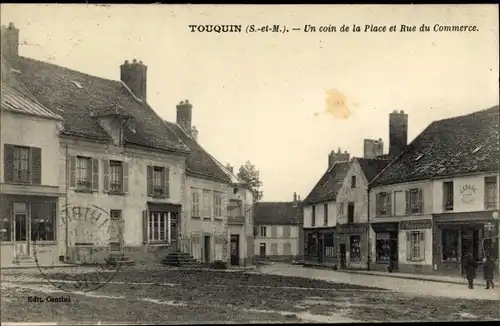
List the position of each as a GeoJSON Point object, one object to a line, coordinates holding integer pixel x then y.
{"type": "Point", "coordinates": [421, 236]}
{"type": "Point", "coordinates": [420, 201]}
{"type": "Point", "coordinates": [167, 182]}
{"type": "Point", "coordinates": [95, 174]}
{"type": "Point", "coordinates": [8, 162]}
{"type": "Point", "coordinates": [36, 165]}
{"type": "Point", "coordinates": [125, 177]}
{"type": "Point", "coordinates": [389, 203]}
{"type": "Point", "coordinates": [144, 226]}
{"type": "Point", "coordinates": [72, 171]}
{"type": "Point", "coordinates": [409, 255]}
{"type": "Point", "coordinates": [105, 168]}
{"type": "Point", "coordinates": [150, 181]}
{"type": "Point", "coordinates": [407, 196]}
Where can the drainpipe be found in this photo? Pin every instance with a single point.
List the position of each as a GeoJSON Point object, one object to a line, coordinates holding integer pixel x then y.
{"type": "Point", "coordinates": [66, 207]}
{"type": "Point", "coordinates": [368, 244]}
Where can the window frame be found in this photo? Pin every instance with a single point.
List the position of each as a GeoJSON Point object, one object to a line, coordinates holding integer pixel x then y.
{"type": "Point", "coordinates": [325, 214]}
{"type": "Point", "coordinates": [263, 232]}
{"type": "Point", "coordinates": [195, 203]}
{"type": "Point", "coordinates": [17, 157]}
{"type": "Point", "coordinates": [411, 255]}
{"type": "Point", "coordinates": [353, 182]}
{"type": "Point", "coordinates": [313, 215]}
{"type": "Point", "coordinates": [355, 255]}
{"type": "Point", "coordinates": [114, 164]}
{"type": "Point", "coordinates": [448, 196]}
{"type": "Point", "coordinates": [159, 217]}
{"type": "Point", "coordinates": [350, 218]}
{"type": "Point", "coordinates": [490, 203]}
{"type": "Point", "coordinates": [86, 185]}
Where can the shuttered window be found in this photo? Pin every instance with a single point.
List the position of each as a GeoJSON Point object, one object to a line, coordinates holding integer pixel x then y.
{"type": "Point", "coordinates": [22, 164]}
{"type": "Point", "coordinates": [415, 249]}
{"type": "Point", "coordinates": [158, 181]}
{"type": "Point", "coordinates": [115, 175]}
{"type": "Point", "coordinates": [414, 201]}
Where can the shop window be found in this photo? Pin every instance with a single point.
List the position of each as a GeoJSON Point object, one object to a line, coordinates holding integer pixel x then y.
{"type": "Point", "coordinates": [329, 245]}
{"type": "Point", "coordinates": [355, 248]}
{"type": "Point", "coordinates": [310, 244]}
{"type": "Point", "coordinates": [415, 241]}
{"type": "Point", "coordinates": [43, 221]}
{"type": "Point", "coordinates": [450, 244]}
{"type": "Point", "coordinates": [383, 247]}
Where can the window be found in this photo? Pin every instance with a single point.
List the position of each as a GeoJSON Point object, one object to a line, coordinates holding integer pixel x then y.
{"type": "Point", "coordinates": [355, 247]}
{"type": "Point", "coordinates": [287, 231]}
{"type": "Point", "coordinates": [83, 173]}
{"type": "Point", "coordinates": [274, 249]}
{"type": "Point", "coordinates": [450, 244]}
{"type": "Point", "coordinates": [274, 232]}
{"type": "Point", "coordinates": [207, 204]}
{"type": "Point", "coordinates": [490, 192]}
{"type": "Point", "coordinates": [159, 229]}
{"type": "Point", "coordinates": [115, 215]}
{"type": "Point", "coordinates": [116, 176]}
{"type": "Point", "coordinates": [22, 164]}
{"type": "Point", "coordinates": [287, 249]}
{"type": "Point", "coordinates": [384, 247]}
{"type": "Point", "coordinates": [195, 204]}
{"type": "Point", "coordinates": [43, 221]}
{"type": "Point", "coordinates": [350, 213]}
{"type": "Point", "coordinates": [158, 181]}
{"type": "Point", "coordinates": [313, 217]}
{"type": "Point", "coordinates": [415, 245]}
{"type": "Point", "coordinates": [353, 181]}
{"type": "Point", "coordinates": [218, 200]}
{"type": "Point", "coordinates": [262, 250]}
{"type": "Point", "coordinates": [329, 245]}
{"type": "Point", "coordinates": [448, 195]}
{"type": "Point", "coordinates": [115, 236]}
{"type": "Point", "coordinates": [263, 231]}
{"type": "Point", "coordinates": [325, 211]}
{"type": "Point", "coordinates": [383, 204]}
{"type": "Point", "coordinates": [5, 229]}
{"type": "Point", "coordinates": [414, 202]}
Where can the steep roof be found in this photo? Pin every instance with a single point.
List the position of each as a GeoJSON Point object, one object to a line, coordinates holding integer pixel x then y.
{"type": "Point", "coordinates": [79, 97]}
{"type": "Point", "coordinates": [372, 166]}
{"type": "Point", "coordinates": [327, 187]}
{"type": "Point", "coordinates": [199, 161]}
{"type": "Point", "coordinates": [278, 213]}
{"type": "Point", "coordinates": [454, 146]}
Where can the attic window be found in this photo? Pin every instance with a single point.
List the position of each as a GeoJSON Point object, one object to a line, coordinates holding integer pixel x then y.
{"type": "Point", "coordinates": [77, 84]}
{"type": "Point", "coordinates": [419, 157]}
{"type": "Point", "coordinates": [477, 149]}
{"type": "Point", "coordinates": [16, 71]}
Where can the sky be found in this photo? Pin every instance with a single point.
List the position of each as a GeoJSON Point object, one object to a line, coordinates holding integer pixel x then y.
{"type": "Point", "coordinates": [281, 100]}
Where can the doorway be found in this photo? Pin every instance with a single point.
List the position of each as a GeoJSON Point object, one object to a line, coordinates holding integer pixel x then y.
{"type": "Point", "coordinates": [262, 250]}
{"type": "Point", "coordinates": [320, 249]}
{"type": "Point", "coordinates": [21, 231]}
{"type": "Point", "coordinates": [207, 249]}
{"type": "Point", "coordinates": [394, 256]}
{"type": "Point", "coordinates": [343, 251]}
{"type": "Point", "coordinates": [235, 249]}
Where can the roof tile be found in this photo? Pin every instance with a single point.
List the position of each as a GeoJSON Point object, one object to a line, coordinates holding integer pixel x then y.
{"type": "Point", "coordinates": [278, 213]}
{"type": "Point", "coordinates": [327, 187]}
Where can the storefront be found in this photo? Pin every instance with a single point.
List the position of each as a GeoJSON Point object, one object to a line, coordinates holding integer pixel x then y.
{"type": "Point", "coordinates": [320, 246]}
{"type": "Point", "coordinates": [458, 235]}
{"type": "Point", "coordinates": [385, 246]}
{"type": "Point", "coordinates": [352, 246]}
{"type": "Point", "coordinates": [28, 230]}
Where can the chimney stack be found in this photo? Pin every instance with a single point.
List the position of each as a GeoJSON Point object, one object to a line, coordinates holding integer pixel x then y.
{"type": "Point", "coordinates": [294, 199]}
{"type": "Point", "coordinates": [184, 113]}
{"type": "Point", "coordinates": [194, 133]}
{"type": "Point", "coordinates": [336, 157]}
{"type": "Point", "coordinates": [229, 167]}
{"type": "Point", "coordinates": [373, 148]}
{"type": "Point", "coordinates": [398, 132]}
{"type": "Point", "coordinates": [134, 75]}
{"type": "Point", "coordinates": [10, 44]}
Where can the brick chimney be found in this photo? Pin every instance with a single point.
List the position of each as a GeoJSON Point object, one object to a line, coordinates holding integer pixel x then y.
{"type": "Point", "coordinates": [398, 132]}
{"type": "Point", "coordinates": [373, 148]}
{"type": "Point", "coordinates": [336, 157]}
{"type": "Point", "coordinates": [184, 113]}
{"type": "Point", "coordinates": [134, 75]}
{"type": "Point", "coordinates": [10, 44]}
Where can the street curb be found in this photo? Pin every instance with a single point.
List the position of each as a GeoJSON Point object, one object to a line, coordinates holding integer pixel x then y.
{"type": "Point", "coordinates": [35, 267]}
{"type": "Point", "coordinates": [402, 277]}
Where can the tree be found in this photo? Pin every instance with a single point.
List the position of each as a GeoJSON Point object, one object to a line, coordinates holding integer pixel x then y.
{"type": "Point", "coordinates": [250, 175]}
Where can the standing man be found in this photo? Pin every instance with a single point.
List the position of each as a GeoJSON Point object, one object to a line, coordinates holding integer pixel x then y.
{"type": "Point", "coordinates": [489, 268]}
{"type": "Point", "coordinates": [470, 270]}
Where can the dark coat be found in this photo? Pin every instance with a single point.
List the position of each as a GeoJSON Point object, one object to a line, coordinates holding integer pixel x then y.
{"type": "Point", "coordinates": [489, 268]}
{"type": "Point", "coordinates": [470, 268]}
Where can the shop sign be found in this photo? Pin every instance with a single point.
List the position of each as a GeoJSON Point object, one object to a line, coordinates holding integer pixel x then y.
{"type": "Point", "coordinates": [468, 193]}
{"type": "Point", "coordinates": [415, 224]}
{"type": "Point", "coordinates": [352, 229]}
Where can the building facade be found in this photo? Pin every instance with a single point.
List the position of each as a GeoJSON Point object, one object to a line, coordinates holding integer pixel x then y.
{"type": "Point", "coordinates": [437, 203]}
{"type": "Point", "coordinates": [29, 184]}
{"type": "Point", "coordinates": [277, 230]}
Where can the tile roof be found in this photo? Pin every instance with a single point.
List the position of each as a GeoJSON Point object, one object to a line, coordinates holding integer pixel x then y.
{"type": "Point", "coordinates": [372, 166]}
{"type": "Point", "coordinates": [58, 89]}
{"type": "Point", "coordinates": [14, 100]}
{"type": "Point", "coordinates": [454, 146]}
{"type": "Point", "coordinates": [199, 161]}
{"type": "Point", "coordinates": [327, 187]}
{"type": "Point", "coordinates": [278, 213]}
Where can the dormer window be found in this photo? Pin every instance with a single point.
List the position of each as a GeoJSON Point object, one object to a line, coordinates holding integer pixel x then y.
{"type": "Point", "coordinates": [419, 157]}
{"type": "Point", "coordinates": [477, 149]}
{"type": "Point", "coordinates": [77, 84]}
